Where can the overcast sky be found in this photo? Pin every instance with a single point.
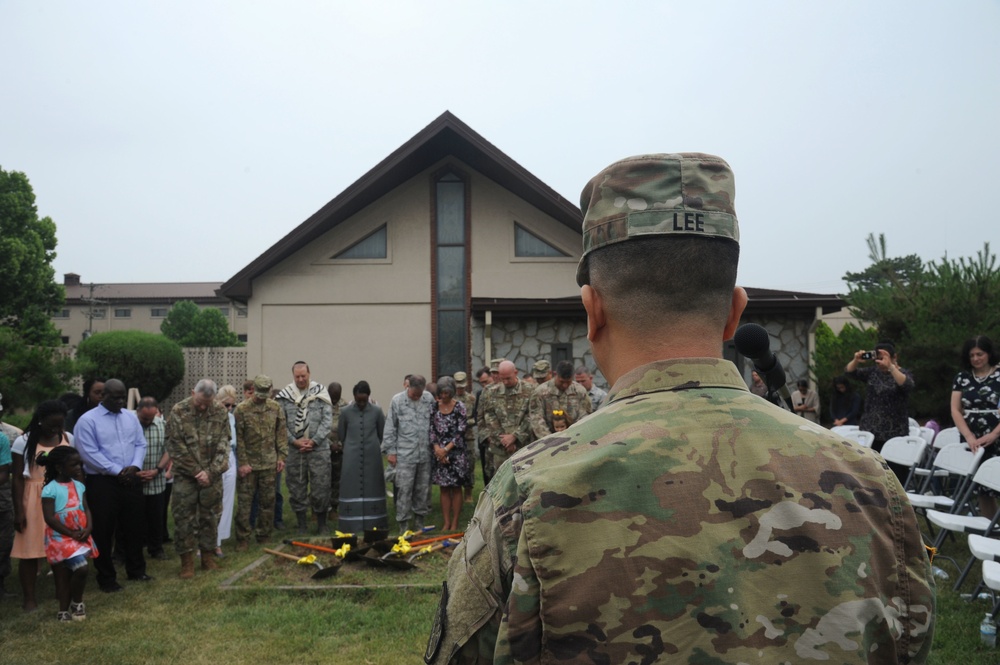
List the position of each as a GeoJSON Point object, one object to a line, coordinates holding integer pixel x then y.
{"type": "Point", "coordinates": [177, 141]}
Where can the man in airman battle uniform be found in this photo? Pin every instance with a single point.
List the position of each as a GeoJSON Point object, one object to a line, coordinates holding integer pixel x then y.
{"type": "Point", "coordinates": [687, 520]}
{"type": "Point", "coordinates": [558, 393]}
{"type": "Point", "coordinates": [261, 449]}
{"type": "Point", "coordinates": [197, 439]}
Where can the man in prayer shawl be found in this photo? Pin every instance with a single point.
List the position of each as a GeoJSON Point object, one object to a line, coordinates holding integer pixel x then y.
{"type": "Point", "coordinates": [309, 417]}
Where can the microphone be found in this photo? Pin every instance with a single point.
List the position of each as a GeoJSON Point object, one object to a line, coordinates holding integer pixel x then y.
{"type": "Point", "coordinates": [753, 342]}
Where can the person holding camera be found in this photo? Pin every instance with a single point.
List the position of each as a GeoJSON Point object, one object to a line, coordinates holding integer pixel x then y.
{"type": "Point", "coordinates": [887, 397]}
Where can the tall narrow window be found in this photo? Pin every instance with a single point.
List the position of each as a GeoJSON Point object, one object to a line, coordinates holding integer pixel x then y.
{"type": "Point", "coordinates": [450, 283]}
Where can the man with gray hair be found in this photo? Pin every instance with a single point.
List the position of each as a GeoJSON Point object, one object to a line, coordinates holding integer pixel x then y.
{"type": "Point", "coordinates": [197, 440]}
{"type": "Point", "coordinates": [406, 445]}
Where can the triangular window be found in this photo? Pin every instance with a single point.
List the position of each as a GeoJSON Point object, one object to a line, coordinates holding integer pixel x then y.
{"type": "Point", "coordinates": [372, 246]}
{"type": "Point", "coordinates": [528, 245]}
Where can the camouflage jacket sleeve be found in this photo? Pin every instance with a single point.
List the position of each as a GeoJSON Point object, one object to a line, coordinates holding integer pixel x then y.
{"type": "Point", "coordinates": [489, 427]}
{"type": "Point", "coordinates": [241, 437]}
{"type": "Point", "coordinates": [536, 415]}
{"type": "Point", "coordinates": [178, 446]}
{"type": "Point", "coordinates": [479, 579]}
{"type": "Point", "coordinates": [281, 435]}
{"type": "Point", "coordinates": [525, 432]}
{"type": "Point", "coordinates": [220, 435]}
{"type": "Point", "coordinates": [322, 432]}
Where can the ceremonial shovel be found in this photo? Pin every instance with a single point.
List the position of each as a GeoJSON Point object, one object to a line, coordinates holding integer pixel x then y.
{"type": "Point", "coordinates": [320, 574]}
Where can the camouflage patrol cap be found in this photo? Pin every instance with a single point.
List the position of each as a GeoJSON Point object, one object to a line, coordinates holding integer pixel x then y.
{"type": "Point", "coordinates": [262, 385]}
{"type": "Point", "coordinates": [540, 369]}
{"type": "Point", "coordinates": [460, 378]}
{"type": "Point", "coordinates": [495, 365]}
{"type": "Point", "coordinates": [687, 193]}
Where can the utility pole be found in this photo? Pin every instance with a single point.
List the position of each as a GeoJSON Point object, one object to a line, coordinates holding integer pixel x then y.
{"type": "Point", "coordinates": [92, 311]}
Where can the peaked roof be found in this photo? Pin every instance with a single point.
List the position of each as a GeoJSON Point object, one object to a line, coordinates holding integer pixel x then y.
{"type": "Point", "coordinates": [446, 136]}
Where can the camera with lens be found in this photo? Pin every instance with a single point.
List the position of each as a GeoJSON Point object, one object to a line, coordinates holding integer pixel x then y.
{"type": "Point", "coordinates": [867, 355]}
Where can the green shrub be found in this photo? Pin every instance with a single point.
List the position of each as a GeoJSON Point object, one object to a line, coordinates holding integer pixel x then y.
{"type": "Point", "coordinates": [152, 363]}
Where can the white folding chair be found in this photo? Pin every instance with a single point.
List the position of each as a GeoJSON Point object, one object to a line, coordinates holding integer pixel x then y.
{"type": "Point", "coordinates": [860, 437]}
{"type": "Point", "coordinates": [987, 475]}
{"type": "Point", "coordinates": [983, 549]}
{"type": "Point", "coordinates": [927, 434]}
{"type": "Point", "coordinates": [991, 578]}
{"type": "Point", "coordinates": [944, 438]}
{"type": "Point", "coordinates": [954, 459]}
{"type": "Point", "coordinates": [914, 423]}
{"type": "Point", "coordinates": [906, 451]}
{"type": "Point", "coordinates": [843, 430]}
{"type": "Point", "coordinates": [914, 431]}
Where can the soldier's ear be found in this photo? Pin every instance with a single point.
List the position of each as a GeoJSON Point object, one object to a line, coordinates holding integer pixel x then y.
{"type": "Point", "coordinates": [596, 316]}
{"type": "Point", "coordinates": [736, 307]}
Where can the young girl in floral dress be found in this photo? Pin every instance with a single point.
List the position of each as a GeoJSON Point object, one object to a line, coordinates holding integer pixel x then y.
{"type": "Point", "coordinates": [68, 543]}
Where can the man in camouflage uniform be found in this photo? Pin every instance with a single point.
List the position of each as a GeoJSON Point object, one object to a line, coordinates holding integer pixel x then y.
{"type": "Point", "coordinates": [505, 415]}
{"type": "Point", "coordinates": [336, 448]}
{"type": "Point", "coordinates": [261, 449]}
{"type": "Point", "coordinates": [463, 395]}
{"type": "Point", "coordinates": [559, 393]}
{"type": "Point", "coordinates": [541, 372]}
{"type": "Point", "coordinates": [198, 438]}
{"type": "Point", "coordinates": [687, 520]}
{"type": "Point", "coordinates": [308, 419]}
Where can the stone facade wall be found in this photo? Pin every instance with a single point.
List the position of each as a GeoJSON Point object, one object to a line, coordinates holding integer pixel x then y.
{"type": "Point", "coordinates": [790, 343]}
{"type": "Point", "coordinates": [524, 341]}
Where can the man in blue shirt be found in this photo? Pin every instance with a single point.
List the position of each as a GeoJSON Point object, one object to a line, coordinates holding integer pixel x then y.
{"type": "Point", "coordinates": [112, 446]}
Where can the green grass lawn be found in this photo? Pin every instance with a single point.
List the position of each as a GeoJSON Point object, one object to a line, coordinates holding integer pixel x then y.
{"type": "Point", "coordinates": [275, 613]}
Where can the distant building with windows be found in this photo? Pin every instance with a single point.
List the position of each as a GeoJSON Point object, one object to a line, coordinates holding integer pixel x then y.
{"type": "Point", "coordinates": [95, 307]}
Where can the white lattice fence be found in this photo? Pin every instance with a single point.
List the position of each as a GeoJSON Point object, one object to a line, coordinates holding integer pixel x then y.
{"type": "Point", "coordinates": [221, 364]}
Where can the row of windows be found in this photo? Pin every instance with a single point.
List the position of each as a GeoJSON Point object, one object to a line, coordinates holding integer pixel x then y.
{"type": "Point", "coordinates": [126, 313]}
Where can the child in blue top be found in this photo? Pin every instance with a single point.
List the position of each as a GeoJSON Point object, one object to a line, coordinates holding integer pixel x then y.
{"type": "Point", "coordinates": [67, 533]}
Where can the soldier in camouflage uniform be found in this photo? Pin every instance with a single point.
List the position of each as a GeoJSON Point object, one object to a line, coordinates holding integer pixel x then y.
{"type": "Point", "coordinates": [505, 415]}
{"type": "Point", "coordinates": [197, 439]}
{"type": "Point", "coordinates": [559, 392]}
{"type": "Point", "coordinates": [261, 449]}
{"type": "Point", "coordinates": [687, 520]}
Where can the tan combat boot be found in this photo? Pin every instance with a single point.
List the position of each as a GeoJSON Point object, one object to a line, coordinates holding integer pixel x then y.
{"type": "Point", "coordinates": [187, 566]}
{"type": "Point", "coordinates": [208, 561]}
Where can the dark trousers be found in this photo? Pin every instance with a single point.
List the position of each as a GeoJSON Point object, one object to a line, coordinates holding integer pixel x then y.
{"type": "Point", "coordinates": [118, 512]}
{"type": "Point", "coordinates": [153, 508]}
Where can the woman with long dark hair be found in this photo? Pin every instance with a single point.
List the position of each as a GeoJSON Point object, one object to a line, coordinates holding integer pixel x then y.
{"type": "Point", "coordinates": [974, 396]}
{"type": "Point", "coordinates": [45, 432]}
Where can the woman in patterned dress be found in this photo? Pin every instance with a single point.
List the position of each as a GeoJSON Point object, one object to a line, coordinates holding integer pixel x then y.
{"type": "Point", "coordinates": [974, 397]}
{"type": "Point", "coordinates": [450, 464]}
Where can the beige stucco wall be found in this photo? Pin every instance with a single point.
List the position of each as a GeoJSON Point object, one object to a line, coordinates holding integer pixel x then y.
{"type": "Point", "coordinates": [496, 272]}
{"type": "Point", "coordinates": [346, 343]}
{"type": "Point", "coordinates": [371, 319]}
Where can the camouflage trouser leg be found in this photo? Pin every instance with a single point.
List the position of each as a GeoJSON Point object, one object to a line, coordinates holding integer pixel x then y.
{"type": "Point", "coordinates": [308, 478]}
{"type": "Point", "coordinates": [413, 481]}
{"type": "Point", "coordinates": [261, 482]}
{"type": "Point", "coordinates": [336, 466]}
{"type": "Point", "coordinates": [196, 514]}
{"type": "Point", "coordinates": [6, 528]}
